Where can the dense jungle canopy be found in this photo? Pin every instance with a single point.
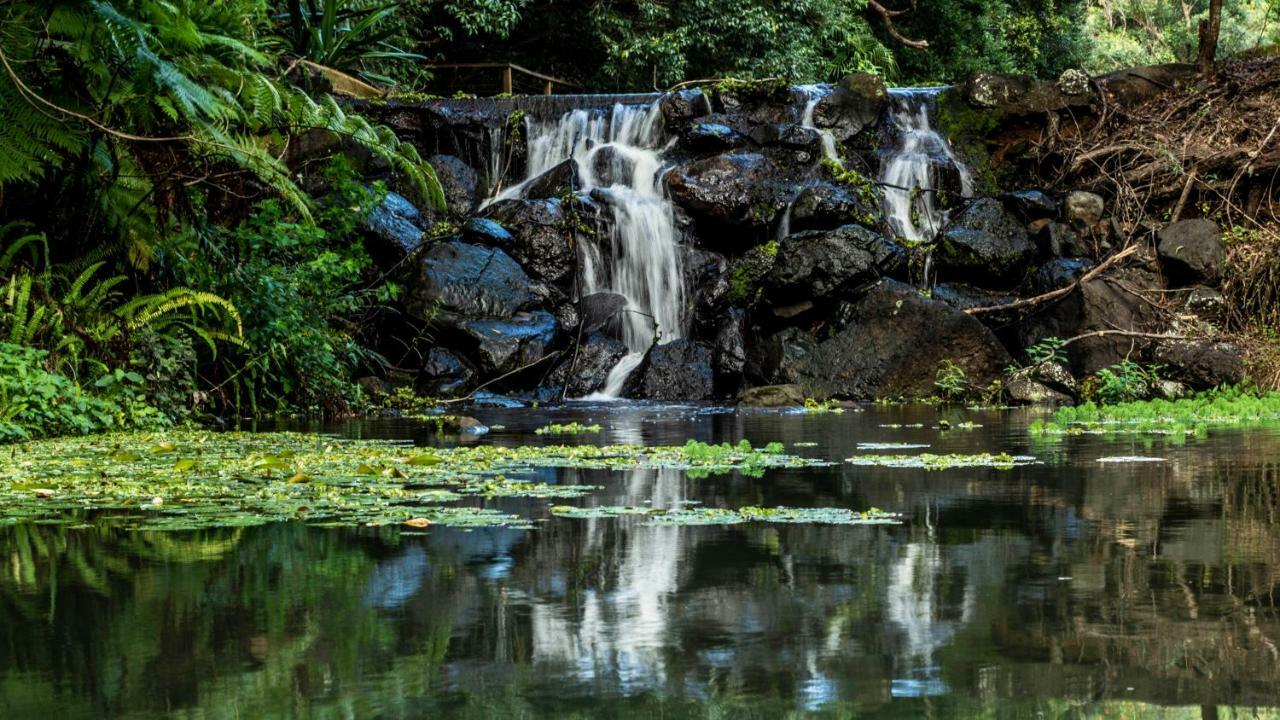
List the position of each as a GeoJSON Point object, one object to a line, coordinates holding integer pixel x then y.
{"type": "Point", "coordinates": [180, 190]}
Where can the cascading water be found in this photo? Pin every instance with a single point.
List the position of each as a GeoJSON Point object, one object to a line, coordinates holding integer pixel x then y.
{"type": "Point", "coordinates": [813, 95]}
{"type": "Point", "coordinates": [911, 171]}
{"type": "Point", "coordinates": [644, 249]}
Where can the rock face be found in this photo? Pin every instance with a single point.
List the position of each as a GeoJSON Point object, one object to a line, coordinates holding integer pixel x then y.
{"type": "Point", "coordinates": [1106, 303]}
{"type": "Point", "coordinates": [444, 373]}
{"type": "Point", "coordinates": [854, 105]}
{"type": "Point", "coordinates": [1202, 364]}
{"type": "Point", "coordinates": [460, 183]}
{"type": "Point", "coordinates": [821, 264]}
{"type": "Point", "coordinates": [459, 280]}
{"type": "Point", "coordinates": [539, 239]}
{"type": "Point", "coordinates": [678, 370]}
{"type": "Point", "coordinates": [1083, 209]}
{"type": "Point", "coordinates": [985, 241]}
{"type": "Point", "coordinates": [1191, 251]}
{"type": "Point", "coordinates": [891, 347]}
{"type": "Point", "coordinates": [503, 346]}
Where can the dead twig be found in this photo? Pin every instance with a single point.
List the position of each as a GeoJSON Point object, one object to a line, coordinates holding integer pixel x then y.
{"type": "Point", "coordinates": [1060, 292]}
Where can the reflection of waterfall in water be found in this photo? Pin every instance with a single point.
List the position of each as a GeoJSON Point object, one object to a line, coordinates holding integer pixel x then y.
{"type": "Point", "coordinates": [619, 152]}
{"type": "Point", "coordinates": [911, 170]}
{"type": "Point", "coordinates": [813, 94]}
{"type": "Point", "coordinates": [914, 605]}
{"type": "Point", "coordinates": [619, 629]}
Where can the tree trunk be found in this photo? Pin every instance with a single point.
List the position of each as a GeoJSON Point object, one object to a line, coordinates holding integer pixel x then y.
{"type": "Point", "coordinates": [1209, 29]}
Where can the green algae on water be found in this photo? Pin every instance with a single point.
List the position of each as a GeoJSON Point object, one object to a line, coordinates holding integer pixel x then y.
{"type": "Point", "coordinates": [187, 480]}
{"type": "Point", "coordinates": [573, 428]}
{"type": "Point", "coordinates": [930, 461]}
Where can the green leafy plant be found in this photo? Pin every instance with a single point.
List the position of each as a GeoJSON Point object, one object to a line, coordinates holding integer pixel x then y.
{"type": "Point", "coordinates": [951, 381]}
{"type": "Point", "coordinates": [346, 35]}
{"type": "Point", "coordinates": [1126, 381]}
{"type": "Point", "coordinates": [1049, 349]}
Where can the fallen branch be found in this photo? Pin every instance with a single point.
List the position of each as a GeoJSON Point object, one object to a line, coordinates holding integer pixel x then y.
{"type": "Point", "coordinates": [1060, 292]}
{"type": "Point", "coordinates": [1123, 333]}
{"type": "Point", "coordinates": [487, 383]}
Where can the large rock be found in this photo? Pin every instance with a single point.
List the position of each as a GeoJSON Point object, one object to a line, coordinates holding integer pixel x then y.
{"type": "Point", "coordinates": [1202, 364]}
{"type": "Point", "coordinates": [820, 264]}
{"type": "Point", "coordinates": [891, 346]}
{"type": "Point", "coordinates": [500, 346]}
{"type": "Point", "coordinates": [560, 179]}
{"type": "Point", "coordinates": [1105, 303]}
{"type": "Point", "coordinates": [586, 371]}
{"type": "Point", "coordinates": [772, 396]}
{"type": "Point", "coordinates": [854, 105]}
{"type": "Point", "coordinates": [709, 137]}
{"type": "Point", "coordinates": [460, 280]}
{"type": "Point", "coordinates": [1191, 251]}
{"type": "Point", "coordinates": [1030, 205]}
{"type": "Point", "coordinates": [459, 182]}
{"type": "Point", "coordinates": [1060, 272]}
{"type": "Point", "coordinates": [733, 189]}
{"type": "Point", "coordinates": [685, 105]}
{"type": "Point", "coordinates": [393, 229]}
{"type": "Point", "coordinates": [540, 237]}
{"type": "Point", "coordinates": [678, 370]}
{"type": "Point", "coordinates": [984, 243]}
{"type": "Point", "coordinates": [1023, 389]}
{"type": "Point", "coordinates": [823, 206]}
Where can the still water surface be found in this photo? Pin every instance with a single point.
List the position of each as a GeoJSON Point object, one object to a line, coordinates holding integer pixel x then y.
{"type": "Point", "coordinates": [1072, 588]}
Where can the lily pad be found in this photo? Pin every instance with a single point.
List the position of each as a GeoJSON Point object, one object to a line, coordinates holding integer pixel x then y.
{"type": "Point", "coordinates": [930, 461]}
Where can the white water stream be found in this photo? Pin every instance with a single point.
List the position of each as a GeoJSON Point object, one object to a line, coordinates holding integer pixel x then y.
{"type": "Point", "coordinates": [910, 171]}
{"type": "Point", "coordinates": [644, 256]}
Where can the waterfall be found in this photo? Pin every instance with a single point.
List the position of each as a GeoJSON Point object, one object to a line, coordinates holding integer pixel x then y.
{"type": "Point", "coordinates": [911, 169]}
{"type": "Point", "coordinates": [618, 153]}
{"type": "Point", "coordinates": [813, 94]}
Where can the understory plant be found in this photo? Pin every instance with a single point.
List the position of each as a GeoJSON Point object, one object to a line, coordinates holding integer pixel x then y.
{"type": "Point", "coordinates": [1126, 381]}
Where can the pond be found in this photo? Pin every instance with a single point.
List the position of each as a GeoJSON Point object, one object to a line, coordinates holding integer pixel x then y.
{"type": "Point", "coordinates": [1124, 575]}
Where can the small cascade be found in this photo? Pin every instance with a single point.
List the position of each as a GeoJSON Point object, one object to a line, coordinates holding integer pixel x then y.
{"type": "Point", "coordinates": [813, 94]}
{"type": "Point", "coordinates": [912, 169]}
{"type": "Point", "coordinates": [619, 154]}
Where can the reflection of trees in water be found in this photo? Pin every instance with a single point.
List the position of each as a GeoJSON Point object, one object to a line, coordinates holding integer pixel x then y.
{"type": "Point", "coordinates": [1070, 583]}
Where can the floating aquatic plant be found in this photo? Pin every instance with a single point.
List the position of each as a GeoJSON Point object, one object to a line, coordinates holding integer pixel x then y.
{"type": "Point", "coordinates": [891, 446]}
{"type": "Point", "coordinates": [819, 407]}
{"type": "Point", "coordinates": [186, 479]}
{"type": "Point", "coordinates": [1224, 407]}
{"type": "Point", "coordinates": [573, 428]}
{"type": "Point", "coordinates": [930, 461]}
{"type": "Point", "coordinates": [1130, 459]}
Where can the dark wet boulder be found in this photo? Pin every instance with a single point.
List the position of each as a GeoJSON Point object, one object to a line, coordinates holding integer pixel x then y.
{"type": "Point", "coordinates": [444, 373]}
{"type": "Point", "coordinates": [890, 346]}
{"type": "Point", "coordinates": [1110, 302]}
{"type": "Point", "coordinates": [685, 105]}
{"type": "Point", "coordinates": [819, 264]}
{"type": "Point", "coordinates": [1060, 272]}
{"type": "Point", "coordinates": [772, 396]}
{"type": "Point", "coordinates": [461, 425]}
{"type": "Point", "coordinates": [1191, 251]}
{"type": "Point", "coordinates": [459, 182]}
{"type": "Point", "coordinates": [598, 309]}
{"type": "Point", "coordinates": [711, 137]}
{"type": "Point", "coordinates": [1030, 205]}
{"type": "Point", "coordinates": [732, 189]}
{"type": "Point", "coordinates": [555, 182]}
{"type": "Point", "coordinates": [822, 206]}
{"type": "Point", "coordinates": [540, 239]}
{"type": "Point", "coordinates": [787, 135]}
{"type": "Point", "coordinates": [1057, 239]}
{"type": "Point", "coordinates": [500, 346]}
{"type": "Point", "coordinates": [984, 243]}
{"type": "Point", "coordinates": [393, 229]}
{"type": "Point", "coordinates": [460, 280]}
{"type": "Point", "coordinates": [609, 166]}
{"type": "Point", "coordinates": [854, 105]}
{"type": "Point", "coordinates": [484, 231]}
{"type": "Point", "coordinates": [586, 371]}
{"type": "Point", "coordinates": [678, 370]}
{"type": "Point", "coordinates": [1201, 364]}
